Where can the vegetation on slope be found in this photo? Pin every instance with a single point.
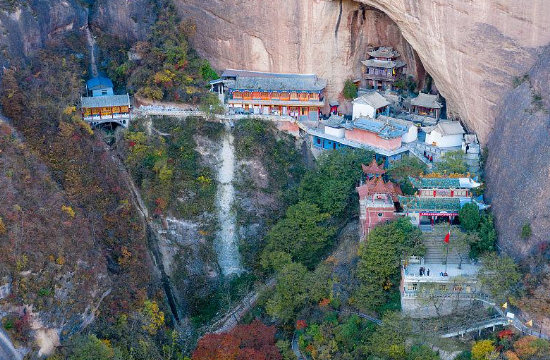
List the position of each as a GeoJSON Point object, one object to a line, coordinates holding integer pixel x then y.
{"type": "Point", "coordinates": [165, 67]}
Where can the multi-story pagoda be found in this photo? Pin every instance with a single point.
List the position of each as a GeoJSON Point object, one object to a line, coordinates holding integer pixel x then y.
{"type": "Point", "coordinates": [383, 68]}
{"type": "Point", "coordinates": [377, 198]}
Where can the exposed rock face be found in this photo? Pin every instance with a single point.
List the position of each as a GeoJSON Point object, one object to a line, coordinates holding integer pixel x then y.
{"type": "Point", "coordinates": [472, 49]}
{"type": "Point", "coordinates": [28, 28]}
{"type": "Point", "coordinates": [329, 38]}
{"type": "Point", "coordinates": [518, 169]}
{"type": "Point", "coordinates": [129, 20]}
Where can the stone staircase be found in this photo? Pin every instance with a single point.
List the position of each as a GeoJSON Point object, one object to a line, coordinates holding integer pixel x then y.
{"type": "Point", "coordinates": [416, 152]}
{"type": "Point", "coordinates": [436, 247]}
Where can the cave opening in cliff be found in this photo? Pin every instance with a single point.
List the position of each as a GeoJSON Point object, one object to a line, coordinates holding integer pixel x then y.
{"type": "Point", "coordinates": [371, 28]}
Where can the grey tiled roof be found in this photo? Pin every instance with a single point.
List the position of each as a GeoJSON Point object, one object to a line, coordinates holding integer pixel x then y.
{"type": "Point", "coordinates": [427, 101]}
{"type": "Point", "coordinates": [385, 52]}
{"type": "Point", "coordinates": [274, 82]}
{"type": "Point", "coordinates": [383, 63]}
{"type": "Point", "coordinates": [446, 128]}
{"type": "Point", "coordinates": [384, 129]}
{"type": "Point", "coordinates": [334, 121]}
{"type": "Point", "coordinates": [372, 98]}
{"type": "Point", "coordinates": [106, 101]}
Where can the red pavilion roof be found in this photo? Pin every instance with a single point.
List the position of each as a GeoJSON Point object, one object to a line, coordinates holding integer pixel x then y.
{"type": "Point", "coordinates": [378, 186]}
{"type": "Point", "coordinates": [373, 168]}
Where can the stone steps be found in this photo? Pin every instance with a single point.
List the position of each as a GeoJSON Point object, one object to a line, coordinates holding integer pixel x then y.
{"type": "Point", "coordinates": [436, 248]}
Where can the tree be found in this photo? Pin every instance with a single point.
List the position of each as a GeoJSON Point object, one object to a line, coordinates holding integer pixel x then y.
{"type": "Point", "coordinates": [430, 294]}
{"type": "Point", "coordinates": [92, 348]}
{"type": "Point", "coordinates": [452, 163]}
{"type": "Point", "coordinates": [402, 169]}
{"type": "Point", "coordinates": [290, 292]}
{"type": "Point", "coordinates": [379, 261]}
{"type": "Point", "coordinates": [487, 236]}
{"type": "Point", "coordinates": [153, 318]}
{"type": "Point", "coordinates": [2, 227]}
{"type": "Point", "coordinates": [526, 231]}
{"type": "Point", "coordinates": [422, 352]}
{"type": "Point", "coordinates": [300, 233]}
{"type": "Point", "coordinates": [499, 275]}
{"type": "Point", "coordinates": [389, 341]}
{"type": "Point", "coordinates": [211, 105]}
{"type": "Point", "coordinates": [537, 301]}
{"type": "Point", "coordinates": [530, 347]}
{"type": "Point", "coordinates": [254, 341]}
{"type": "Point", "coordinates": [12, 100]}
{"type": "Point", "coordinates": [350, 90]}
{"type": "Point", "coordinates": [331, 185]}
{"type": "Point", "coordinates": [460, 244]}
{"type": "Point", "coordinates": [482, 349]}
{"type": "Point", "coordinates": [469, 217]}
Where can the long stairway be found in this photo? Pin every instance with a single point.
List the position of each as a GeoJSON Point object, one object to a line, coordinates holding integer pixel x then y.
{"type": "Point", "coordinates": [436, 247]}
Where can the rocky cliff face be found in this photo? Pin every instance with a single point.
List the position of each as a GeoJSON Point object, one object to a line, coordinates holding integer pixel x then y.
{"type": "Point", "coordinates": [518, 168]}
{"type": "Point", "coordinates": [329, 38]}
{"type": "Point", "coordinates": [29, 27]}
{"type": "Point", "coordinates": [129, 20]}
{"type": "Point", "coordinates": [472, 49]}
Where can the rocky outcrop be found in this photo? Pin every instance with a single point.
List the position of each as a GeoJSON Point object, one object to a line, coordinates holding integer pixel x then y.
{"type": "Point", "coordinates": [329, 38]}
{"type": "Point", "coordinates": [472, 49]}
{"type": "Point", "coordinates": [29, 26]}
{"type": "Point", "coordinates": [128, 20]}
{"type": "Point", "coordinates": [518, 167]}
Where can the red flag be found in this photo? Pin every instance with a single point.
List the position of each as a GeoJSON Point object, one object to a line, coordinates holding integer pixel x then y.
{"type": "Point", "coordinates": [448, 236]}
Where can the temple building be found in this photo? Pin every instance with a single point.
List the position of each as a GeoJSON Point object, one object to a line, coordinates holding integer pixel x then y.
{"type": "Point", "coordinates": [439, 197]}
{"type": "Point", "coordinates": [101, 106]}
{"type": "Point", "coordinates": [382, 69]}
{"type": "Point", "coordinates": [377, 198]}
{"type": "Point", "coordinates": [99, 86]}
{"type": "Point", "coordinates": [370, 105]}
{"type": "Point", "coordinates": [298, 95]}
{"type": "Point", "coordinates": [445, 134]}
{"type": "Point", "coordinates": [426, 105]}
{"type": "Point", "coordinates": [384, 135]}
{"type": "Point", "coordinates": [436, 285]}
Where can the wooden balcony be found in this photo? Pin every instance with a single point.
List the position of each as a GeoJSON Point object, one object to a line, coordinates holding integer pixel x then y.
{"type": "Point", "coordinates": [274, 102]}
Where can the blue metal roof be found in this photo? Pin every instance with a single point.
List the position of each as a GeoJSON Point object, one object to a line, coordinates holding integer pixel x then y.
{"type": "Point", "coordinates": [385, 130]}
{"type": "Point", "coordinates": [99, 82]}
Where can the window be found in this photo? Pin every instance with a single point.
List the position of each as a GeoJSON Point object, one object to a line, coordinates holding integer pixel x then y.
{"type": "Point", "coordinates": [442, 287]}
{"type": "Point", "coordinates": [318, 141]}
{"type": "Point", "coordinates": [380, 215]}
{"type": "Point", "coordinates": [412, 287]}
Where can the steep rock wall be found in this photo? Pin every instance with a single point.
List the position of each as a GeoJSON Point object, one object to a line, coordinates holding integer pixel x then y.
{"type": "Point", "coordinates": [329, 38]}
{"type": "Point", "coordinates": [29, 27]}
{"type": "Point", "coordinates": [129, 20]}
{"type": "Point", "coordinates": [471, 48]}
{"type": "Point", "coordinates": [518, 167]}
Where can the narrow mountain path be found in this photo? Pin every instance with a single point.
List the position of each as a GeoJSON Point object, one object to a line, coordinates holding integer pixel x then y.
{"type": "Point", "coordinates": [7, 350]}
{"type": "Point", "coordinates": [93, 50]}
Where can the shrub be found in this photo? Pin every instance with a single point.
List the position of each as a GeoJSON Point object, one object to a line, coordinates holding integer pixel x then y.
{"type": "Point", "coordinates": [526, 231]}
{"type": "Point", "coordinates": [350, 90]}
{"type": "Point", "coordinates": [469, 217]}
{"type": "Point", "coordinates": [453, 163]}
{"type": "Point", "coordinates": [482, 349]}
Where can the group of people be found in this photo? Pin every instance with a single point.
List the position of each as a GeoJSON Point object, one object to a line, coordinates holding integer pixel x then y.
{"type": "Point", "coordinates": [428, 156]}
{"type": "Point", "coordinates": [423, 271]}
{"type": "Point", "coordinates": [426, 272]}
